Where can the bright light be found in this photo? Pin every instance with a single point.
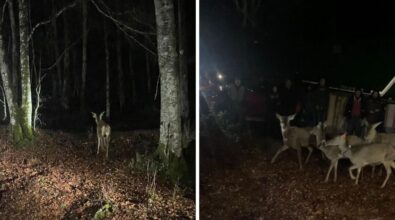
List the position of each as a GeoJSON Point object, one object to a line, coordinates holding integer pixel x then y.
{"type": "Point", "coordinates": [220, 76]}
{"type": "Point", "coordinates": [221, 88]}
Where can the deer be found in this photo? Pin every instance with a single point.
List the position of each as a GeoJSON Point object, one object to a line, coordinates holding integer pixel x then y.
{"type": "Point", "coordinates": [334, 147]}
{"type": "Point", "coordinates": [370, 154]}
{"type": "Point", "coordinates": [103, 132]}
{"type": "Point", "coordinates": [296, 138]}
{"type": "Point", "coordinates": [333, 151]}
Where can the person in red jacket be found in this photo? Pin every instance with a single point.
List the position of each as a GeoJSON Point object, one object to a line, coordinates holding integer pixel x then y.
{"type": "Point", "coordinates": [355, 111]}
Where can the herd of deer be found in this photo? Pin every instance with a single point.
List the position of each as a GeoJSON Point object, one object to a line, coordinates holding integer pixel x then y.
{"type": "Point", "coordinates": [372, 149]}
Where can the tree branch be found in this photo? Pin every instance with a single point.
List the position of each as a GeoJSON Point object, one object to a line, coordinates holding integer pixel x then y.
{"type": "Point", "coordinates": [61, 55]}
{"type": "Point", "coordinates": [3, 12]}
{"type": "Point", "coordinates": [49, 20]}
{"type": "Point", "coordinates": [119, 23]}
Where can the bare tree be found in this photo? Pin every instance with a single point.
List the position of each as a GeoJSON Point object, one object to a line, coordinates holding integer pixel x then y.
{"type": "Point", "coordinates": [107, 53]}
{"type": "Point", "coordinates": [84, 52]}
{"type": "Point", "coordinates": [58, 78]}
{"type": "Point", "coordinates": [15, 59]}
{"type": "Point", "coordinates": [121, 91]}
{"type": "Point", "coordinates": [26, 104]}
{"type": "Point", "coordinates": [66, 65]}
{"type": "Point", "coordinates": [248, 9]}
{"type": "Point", "coordinates": [183, 68]}
{"type": "Point", "coordinates": [132, 77]}
{"type": "Point", "coordinates": [170, 120]}
{"type": "Point", "coordinates": [7, 85]}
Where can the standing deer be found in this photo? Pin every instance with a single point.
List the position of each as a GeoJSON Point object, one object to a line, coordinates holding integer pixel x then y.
{"type": "Point", "coordinates": [370, 154]}
{"type": "Point", "coordinates": [103, 132]}
{"type": "Point", "coordinates": [296, 138]}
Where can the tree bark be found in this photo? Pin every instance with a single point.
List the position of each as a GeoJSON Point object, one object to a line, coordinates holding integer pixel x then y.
{"type": "Point", "coordinates": [9, 92]}
{"type": "Point", "coordinates": [148, 73]}
{"type": "Point", "coordinates": [121, 90]}
{"type": "Point", "coordinates": [66, 65]}
{"type": "Point", "coordinates": [76, 75]}
{"type": "Point", "coordinates": [84, 47]}
{"type": "Point", "coordinates": [183, 68]}
{"type": "Point", "coordinates": [170, 120]}
{"type": "Point", "coordinates": [133, 78]}
{"type": "Point", "coordinates": [58, 78]}
{"type": "Point", "coordinates": [107, 53]}
{"type": "Point", "coordinates": [26, 104]}
{"type": "Point", "coordinates": [15, 59]}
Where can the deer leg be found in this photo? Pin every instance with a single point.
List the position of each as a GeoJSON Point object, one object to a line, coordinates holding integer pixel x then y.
{"type": "Point", "coordinates": [335, 178]}
{"type": "Point", "coordinates": [98, 144]}
{"type": "Point", "coordinates": [350, 171]}
{"type": "Point", "coordinates": [107, 145]}
{"type": "Point", "coordinates": [308, 156]}
{"type": "Point", "coordinates": [299, 151]}
{"type": "Point", "coordinates": [283, 148]}
{"type": "Point", "coordinates": [389, 171]}
{"type": "Point", "coordinates": [373, 169]}
{"type": "Point", "coordinates": [380, 171]}
{"type": "Point", "coordinates": [359, 172]}
{"type": "Point", "coordinates": [329, 171]}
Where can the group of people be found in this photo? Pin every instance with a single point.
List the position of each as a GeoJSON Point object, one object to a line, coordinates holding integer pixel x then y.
{"type": "Point", "coordinates": [312, 106]}
{"type": "Point", "coordinates": [309, 104]}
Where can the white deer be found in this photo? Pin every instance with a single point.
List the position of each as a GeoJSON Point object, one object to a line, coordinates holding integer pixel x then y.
{"type": "Point", "coordinates": [103, 132]}
{"type": "Point", "coordinates": [296, 138]}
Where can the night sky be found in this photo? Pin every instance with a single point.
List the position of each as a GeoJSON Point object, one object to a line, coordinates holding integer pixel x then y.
{"type": "Point", "coordinates": [349, 43]}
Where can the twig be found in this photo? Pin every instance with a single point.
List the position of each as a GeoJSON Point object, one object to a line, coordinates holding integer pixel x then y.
{"type": "Point", "coordinates": [4, 103]}
{"type": "Point", "coordinates": [49, 20]}
{"type": "Point", "coordinates": [123, 27]}
{"type": "Point", "coordinates": [2, 15]}
{"type": "Point", "coordinates": [61, 55]}
{"type": "Point", "coordinates": [107, 15]}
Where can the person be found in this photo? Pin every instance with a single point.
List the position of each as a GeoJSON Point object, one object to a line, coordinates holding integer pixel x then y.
{"type": "Point", "coordinates": [374, 108]}
{"type": "Point", "coordinates": [321, 100]}
{"type": "Point", "coordinates": [289, 100]}
{"type": "Point", "coordinates": [273, 106]}
{"type": "Point", "coordinates": [308, 111]}
{"type": "Point", "coordinates": [237, 95]}
{"type": "Point", "coordinates": [355, 110]}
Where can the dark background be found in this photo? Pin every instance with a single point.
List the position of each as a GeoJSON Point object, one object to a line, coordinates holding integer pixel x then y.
{"type": "Point", "coordinates": [349, 42]}
{"type": "Point", "coordinates": [137, 14]}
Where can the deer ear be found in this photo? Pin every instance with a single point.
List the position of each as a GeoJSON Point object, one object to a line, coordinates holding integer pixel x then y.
{"type": "Point", "coordinates": [93, 114]}
{"type": "Point", "coordinates": [101, 115]}
{"type": "Point", "coordinates": [278, 116]}
{"type": "Point", "coordinates": [325, 124]}
{"type": "Point", "coordinates": [377, 124]}
{"type": "Point", "coordinates": [291, 117]}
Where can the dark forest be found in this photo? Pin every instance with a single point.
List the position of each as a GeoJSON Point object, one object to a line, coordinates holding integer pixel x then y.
{"type": "Point", "coordinates": [97, 108]}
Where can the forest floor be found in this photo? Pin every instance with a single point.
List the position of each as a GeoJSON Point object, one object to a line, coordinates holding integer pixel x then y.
{"type": "Point", "coordinates": [61, 177]}
{"type": "Point", "coordinates": [248, 186]}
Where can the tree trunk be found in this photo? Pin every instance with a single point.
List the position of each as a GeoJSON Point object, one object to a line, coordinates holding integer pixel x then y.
{"type": "Point", "coordinates": [66, 65]}
{"type": "Point", "coordinates": [108, 102]}
{"type": "Point", "coordinates": [133, 79]}
{"type": "Point", "coordinates": [148, 73]}
{"type": "Point", "coordinates": [183, 68]}
{"type": "Point", "coordinates": [76, 75]}
{"type": "Point", "coordinates": [15, 59]}
{"type": "Point", "coordinates": [121, 90]}
{"type": "Point", "coordinates": [9, 92]}
{"type": "Point", "coordinates": [84, 47]}
{"type": "Point", "coordinates": [170, 115]}
{"type": "Point", "coordinates": [26, 104]}
{"type": "Point", "coordinates": [58, 78]}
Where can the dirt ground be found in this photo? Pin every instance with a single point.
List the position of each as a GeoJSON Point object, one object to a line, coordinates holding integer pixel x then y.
{"type": "Point", "coordinates": [60, 177]}
{"type": "Point", "coordinates": [252, 188]}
